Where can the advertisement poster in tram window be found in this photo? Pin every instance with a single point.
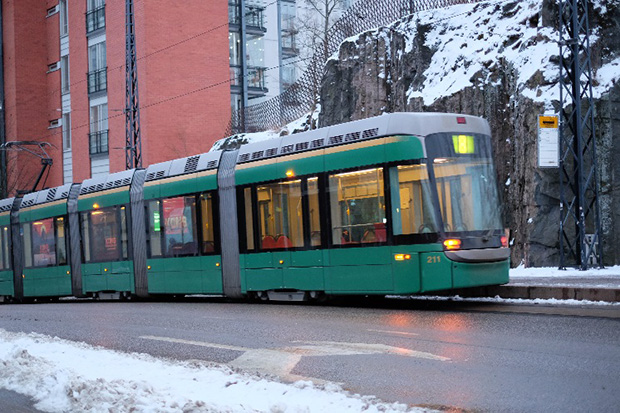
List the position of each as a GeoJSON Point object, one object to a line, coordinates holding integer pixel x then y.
{"type": "Point", "coordinates": [105, 227]}
{"type": "Point", "coordinates": [177, 225]}
{"type": "Point", "coordinates": [43, 243]}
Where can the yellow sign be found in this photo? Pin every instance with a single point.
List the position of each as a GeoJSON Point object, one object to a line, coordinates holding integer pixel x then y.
{"type": "Point", "coordinates": [463, 144]}
{"type": "Point", "coordinates": [548, 122]}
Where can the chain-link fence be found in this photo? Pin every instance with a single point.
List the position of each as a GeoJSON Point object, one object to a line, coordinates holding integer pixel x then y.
{"type": "Point", "coordinates": [301, 96]}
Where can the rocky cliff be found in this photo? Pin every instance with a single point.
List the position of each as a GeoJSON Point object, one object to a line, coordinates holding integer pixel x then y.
{"type": "Point", "coordinates": [498, 60]}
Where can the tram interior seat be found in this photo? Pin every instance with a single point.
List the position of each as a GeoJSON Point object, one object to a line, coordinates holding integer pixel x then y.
{"type": "Point", "coordinates": [283, 242]}
{"type": "Point", "coordinates": [268, 243]}
{"type": "Point", "coordinates": [380, 232]}
{"type": "Point", "coordinates": [209, 247]}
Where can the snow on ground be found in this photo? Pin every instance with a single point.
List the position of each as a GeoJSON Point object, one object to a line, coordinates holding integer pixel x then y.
{"type": "Point", "coordinates": [550, 272]}
{"type": "Point", "coordinates": [65, 376]}
{"type": "Point", "coordinates": [498, 299]}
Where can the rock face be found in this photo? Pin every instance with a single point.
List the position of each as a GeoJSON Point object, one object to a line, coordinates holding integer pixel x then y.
{"type": "Point", "coordinates": [498, 61]}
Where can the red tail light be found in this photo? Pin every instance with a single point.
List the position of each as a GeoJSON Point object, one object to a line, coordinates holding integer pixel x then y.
{"type": "Point", "coordinates": [461, 120]}
{"type": "Point", "coordinates": [504, 241]}
{"type": "Point", "coordinates": [452, 244]}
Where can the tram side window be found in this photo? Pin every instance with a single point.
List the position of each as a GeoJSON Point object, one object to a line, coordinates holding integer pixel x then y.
{"type": "Point", "coordinates": [61, 242]}
{"type": "Point", "coordinates": [172, 227]}
{"type": "Point", "coordinates": [5, 259]}
{"type": "Point", "coordinates": [207, 214]}
{"type": "Point", "coordinates": [104, 235]}
{"type": "Point", "coordinates": [280, 215]}
{"type": "Point", "coordinates": [357, 207]}
{"type": "Point", "coordinates": [179, 234]}
{"type": "Point", "coordinates": [154, 228]}
{"type": "Point", "coordinates": [412, 207]}
{"type": "Point", "coordinates": [45, 243]}
{"type": "Point", "coordinates": [315, 219]}
{"type": "Point", "coordinates": [249, 222]}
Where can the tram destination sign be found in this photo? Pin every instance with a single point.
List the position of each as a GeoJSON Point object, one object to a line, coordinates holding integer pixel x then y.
{"type": "Point", "coordinates": [548, 142]}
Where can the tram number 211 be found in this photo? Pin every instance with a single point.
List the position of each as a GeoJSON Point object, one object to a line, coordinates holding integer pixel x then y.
{"type": "Point", "coordinates": [433, 259]}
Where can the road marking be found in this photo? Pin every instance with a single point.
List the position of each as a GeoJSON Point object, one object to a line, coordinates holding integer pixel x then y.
{"type": "Point", "coordinates": [400, 333]}
{"type": "Point", "coordinates": [281, 361]}
{"type": "Point", "coordinates": [195, 343]}
{"type": "Point", "coordinates": [331, 348]}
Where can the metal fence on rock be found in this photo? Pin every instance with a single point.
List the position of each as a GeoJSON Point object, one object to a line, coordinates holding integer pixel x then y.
{"type": "Point", "coordinates": [301, 96]}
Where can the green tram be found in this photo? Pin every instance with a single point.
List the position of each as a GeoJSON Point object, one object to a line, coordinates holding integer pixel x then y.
{"type": "Point", "coordinates": [402, 203]}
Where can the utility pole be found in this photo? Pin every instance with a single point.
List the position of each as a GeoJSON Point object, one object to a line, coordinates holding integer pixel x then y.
{"type": "Point", "coordinates": [244, 63]}
{"type": "Point", "coordinates": [3, 171]}
{"type": "Point", "coordinates": [579, 204]}
{"type": "Point", "coordinates": [133, 142]}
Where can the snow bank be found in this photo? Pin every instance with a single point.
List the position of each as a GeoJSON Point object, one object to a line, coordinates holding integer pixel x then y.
{"type": "Point", "coordinates": [64, 376]}
{"type": "Point", "coordinates": [546, 272]}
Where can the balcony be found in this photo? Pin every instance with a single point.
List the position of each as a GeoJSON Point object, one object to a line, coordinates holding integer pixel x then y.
{"type": "Point", "coordinates": [97, 80]}
{"type": "Point", "coordinates": [98, 142]}
{"type": "Point", "coordinates": [289, 48]}
{"type": "Point", "coordinates": [95, 19]}
{"type": "Point", "coordinates": [255, 79]}
{"type": "Point", "coordinates": [254, 18]}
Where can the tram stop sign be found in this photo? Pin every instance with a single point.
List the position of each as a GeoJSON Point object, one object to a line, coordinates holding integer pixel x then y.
{"type": "Point", "coordinates": [548, 142]}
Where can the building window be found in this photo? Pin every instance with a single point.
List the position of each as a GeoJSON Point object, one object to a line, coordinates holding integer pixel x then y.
{"type": "Point", "coordinates": [289, 30]}
{"type": "Point", "coordinates": [97, 69]}
{"type": "Point", "coordinates": [64, 74]}
{"type": "Point", "coordinates": [64, 17]}
{"type": "Point", "coordinates": [98, 136]}
{"type": "Point", "coordinates": [95, 15]}
{"type": "Point", "coordinates": [66, 131]}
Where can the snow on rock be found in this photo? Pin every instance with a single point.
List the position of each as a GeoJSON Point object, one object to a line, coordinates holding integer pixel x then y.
{"type": "Point", "coordinates": [472, 38]}
{"type": "Point", "coordinates": [65, 376]}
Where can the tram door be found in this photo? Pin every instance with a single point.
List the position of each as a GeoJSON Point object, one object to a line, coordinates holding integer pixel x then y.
{"type": "Point", "coordinates": [280, 264]}
{"type": "Point", "coordinates": [360, 262]}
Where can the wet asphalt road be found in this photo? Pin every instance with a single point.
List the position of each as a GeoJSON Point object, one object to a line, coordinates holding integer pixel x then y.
{"type": "Point", "coordinates": [476, 357]}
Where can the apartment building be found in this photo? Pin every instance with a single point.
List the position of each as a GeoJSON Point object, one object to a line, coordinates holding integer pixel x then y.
{"type": "Point", "coordinates": [64, 77]}
{"type": "Point", "coordinates": [64, 83]}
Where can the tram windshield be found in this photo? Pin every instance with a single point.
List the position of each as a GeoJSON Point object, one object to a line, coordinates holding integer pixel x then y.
{"type": "Point", "coordinates": [466, 182]}
{"type": "Point", "coordinates": [454, 191]}
{"type": "Point", "coordinates": [467, 194]}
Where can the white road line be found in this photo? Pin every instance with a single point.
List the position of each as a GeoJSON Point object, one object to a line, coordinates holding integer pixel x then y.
{"type": "Point", "coordinates": [281, 361]}
{"type": "Point", "coordinates": [330, 348]}
{"type": "Point", "coordinates": [196, 343]}
{"type": "Point", "coordinates": [400, 333]}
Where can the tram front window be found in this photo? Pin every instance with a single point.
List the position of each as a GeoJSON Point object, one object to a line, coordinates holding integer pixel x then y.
{"type": "Point", "coordinates": [467, 193]}
{"type": "Point", "coordinates": [466, 182]}
{"type": "Point", "coordinates": [412, 205]}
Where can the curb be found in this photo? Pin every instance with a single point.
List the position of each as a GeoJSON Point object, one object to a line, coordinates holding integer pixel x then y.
{"type": "Point", "coordinates": [542, 292]}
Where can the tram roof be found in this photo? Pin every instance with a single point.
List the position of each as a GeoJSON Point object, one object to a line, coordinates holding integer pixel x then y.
{"type": "Point", "coordinates": [101, 183]}
{"type": "Point", "coordinates": [46, 195]}
{"type": "Point", "coordinates": [405, 123]}
{"type": "Point", "coordinates": [182, 166]}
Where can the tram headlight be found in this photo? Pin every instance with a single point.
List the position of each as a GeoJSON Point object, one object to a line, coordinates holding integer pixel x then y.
{"type": "Point", "coordinates": [452, 244]}
{"type": "Point", "coordinates": [402, 257]}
